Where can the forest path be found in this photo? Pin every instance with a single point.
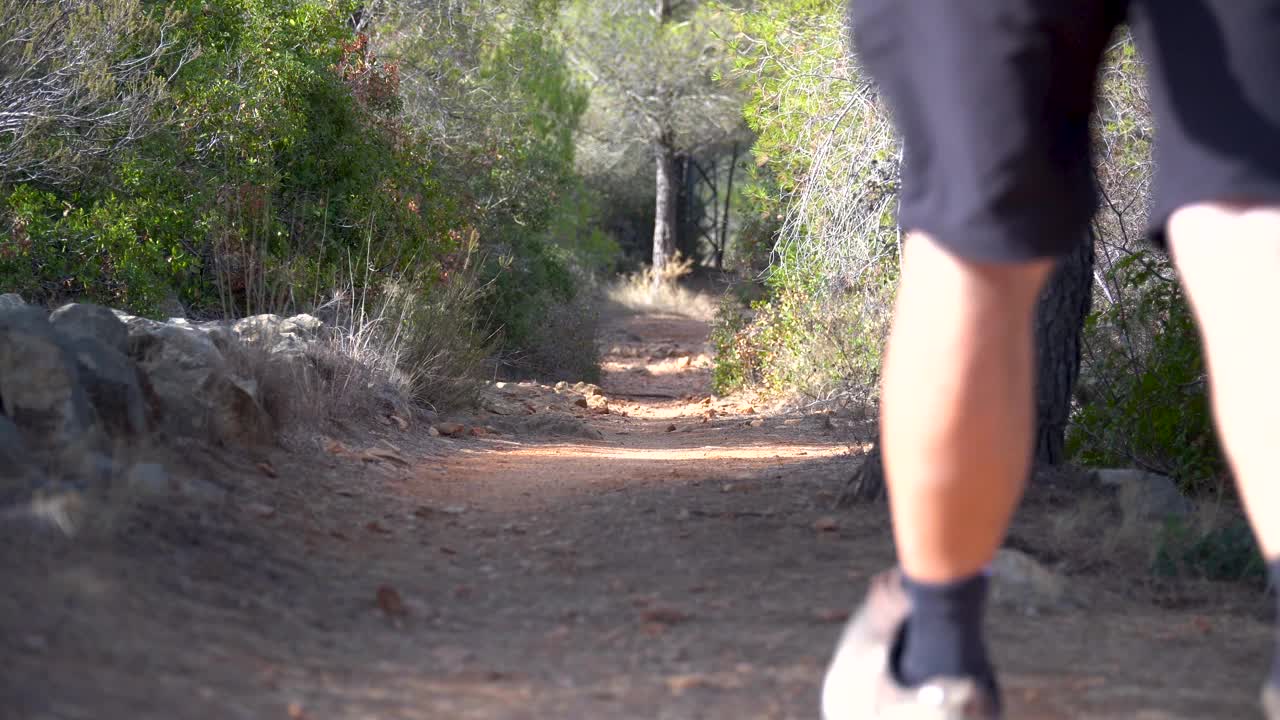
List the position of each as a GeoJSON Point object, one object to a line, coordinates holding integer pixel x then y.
{"type": "Point", "coordinates": [668, 564]}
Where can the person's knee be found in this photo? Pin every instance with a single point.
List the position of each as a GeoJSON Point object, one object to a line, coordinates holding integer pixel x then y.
{"type": "Point", "coordinates": [984, 287]}
{"type": "Point", "coordinates": [1226, 224]}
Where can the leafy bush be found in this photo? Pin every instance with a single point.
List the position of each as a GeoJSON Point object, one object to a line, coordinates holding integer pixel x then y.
{"type": "Point", "coordinates": [822, 205]}
{"type": "Point", "coordinates": [1144, 384]}
{"type": "Point", "coordinates": [1225, 553]}
{"type": "Point", "coordinates": [287, 155]}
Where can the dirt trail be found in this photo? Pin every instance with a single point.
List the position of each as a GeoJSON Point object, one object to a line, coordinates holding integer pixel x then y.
{"type": "Point", "coordinates": [642, 572]}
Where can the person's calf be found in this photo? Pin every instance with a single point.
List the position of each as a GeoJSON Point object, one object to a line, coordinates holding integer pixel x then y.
{"type": "Point", "coordinates": [957, 407]}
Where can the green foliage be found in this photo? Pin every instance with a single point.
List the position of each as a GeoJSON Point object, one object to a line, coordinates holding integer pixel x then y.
{"type": "Point", "coordinates": [1149, 404]}
{"type": "Point", "coordinates": [287, 157]}
{"type": "Point", "coordinates": [821, 206]}
{"type": "Point", "coordinates": [1227, 553]}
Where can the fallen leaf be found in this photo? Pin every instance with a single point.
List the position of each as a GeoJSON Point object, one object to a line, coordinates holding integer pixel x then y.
{"type": "Point", "coordinates": [747, 410]}
{"type": "Point", "coordinates": [433, 432]}
{"type": "Point", "coordinates": [267, 470]}
{"type": "Point", "coordinates": [377, 454]}
{"type": "Point", "coordinates": [826, 524]}
{"type": "Point", "coordinates": [679, 684]}
{"type": "Point", "coordinates": [404, 424]}
{"type": "Point", "coordinates": [654, 629]}
{"type": "Point", "coordinates": [666, 615]}
{"type": "Point", "coordinates": [479, 431]}
{"type": "Point", "coordinates": [390, 602]}
{"type": "Point", "coordinates": [831, 615]}
{"type": "Point", "coordinates": [262, 510]}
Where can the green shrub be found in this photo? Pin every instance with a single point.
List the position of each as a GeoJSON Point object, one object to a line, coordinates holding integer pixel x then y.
{"type": "Point", "coordinates": [1144, 379]}
{"type": "Point", "coordinates": [1226, 553]}
{"type": "Point", "coordinates": [284, 159]}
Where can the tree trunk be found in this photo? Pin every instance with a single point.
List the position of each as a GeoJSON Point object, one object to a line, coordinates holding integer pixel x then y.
{"type": "Point", "coordinates": [1060, 319]}
{"type": "Point", "coordinates": [664, 217]}
{"type": "Point", "coordinates": [663, 10]}
{"type": "Point", "coordinates": [728, 207]}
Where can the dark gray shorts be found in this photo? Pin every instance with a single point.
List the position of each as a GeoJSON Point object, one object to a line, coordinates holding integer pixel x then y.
{"type": "Point", "coordinates": [993, 99]}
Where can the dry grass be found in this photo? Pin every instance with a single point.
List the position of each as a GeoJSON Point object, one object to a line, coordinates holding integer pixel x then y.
{"type": "Point", "coordinates": [650, 291]}
{"type": "Point", "coordinates": [1083, 531]}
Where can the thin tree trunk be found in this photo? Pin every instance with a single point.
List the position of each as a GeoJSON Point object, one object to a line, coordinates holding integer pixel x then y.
{"type": "Point", "coordinates": [1060, 319]}
{"type": "Point", "coordinates": [728, 206]}
{"type": "Point", "coordinates": [663, 10]}
{"type": "Point", "coordinates": [664, 216]}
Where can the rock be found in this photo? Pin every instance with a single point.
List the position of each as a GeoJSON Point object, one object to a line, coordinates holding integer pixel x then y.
{"type": "Point", "coordinates": [1145, 495]}
{"type": "Point", "coordinates": [303, 325]}
{"type": "Point", "coordinates": [451, 429]}
{"type": "Point", "coordinates": [290, 335]}
{"type": "Point", "coordinates": [89, 468]}
{"type": "Point", "coordinates": [1020, 580]}
{"type": "Point", "coordinates": [257, 327]}
{"type": "Point", "coordinates": [172, 307]}
{"type": "Point", "coordinates": [83, 320]}
{"type": "Point", "coordinates": [9, 301]}
{"type": "Point", "coordinates": [193, 383]}
{"type": "Point", "coordinates": [13, 451]}
{"type": "Point", "coordinates": [149, 479]}
{"type": "Point", "coordinates": [39, 381]}
{"type": "Point", "coordinates": [114, 385]}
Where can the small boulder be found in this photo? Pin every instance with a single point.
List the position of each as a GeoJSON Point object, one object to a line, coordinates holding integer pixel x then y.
{"type": "Point", "coordinates": [236, 412]}
{"type": "Point", "coordinates": [84, 320]}
{"type": "Point", "coordinates": [9, 301]}
{"type": "Point", "coordinates": [1145, 495]}
{"type": "Point", "coordinates": [39, 380]}
{"type": "Point", "coordinates": [148, 479]}
{"type": "Point", "coordinates": [193, 383]}
{"type": "Point", "coordinates": [114, 384]}
{"type": "Point", "coordinates": [258, 327]}
{"type": "Point", "coordinates": [1019, 580]}
{"type": "Point", "coordinates": [13, 451]}
{"type": "Point", "coordinates": [303, 324]}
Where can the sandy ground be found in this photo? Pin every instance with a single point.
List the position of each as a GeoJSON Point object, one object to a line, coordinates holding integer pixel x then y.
{"type": "Point", "coordinates": [667, 563]}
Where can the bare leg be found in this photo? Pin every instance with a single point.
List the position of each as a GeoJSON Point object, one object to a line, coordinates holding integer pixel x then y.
{"type": "Point", "coordinates": [958, 408]}
{"type": "Point", "coordinates": [1229, 259]}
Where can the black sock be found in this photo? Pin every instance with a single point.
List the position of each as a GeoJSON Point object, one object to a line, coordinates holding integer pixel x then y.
{"type": "Point", "coordinates": [1274, 678]}
{"type": "Point", "coordinates": [944, 636]}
